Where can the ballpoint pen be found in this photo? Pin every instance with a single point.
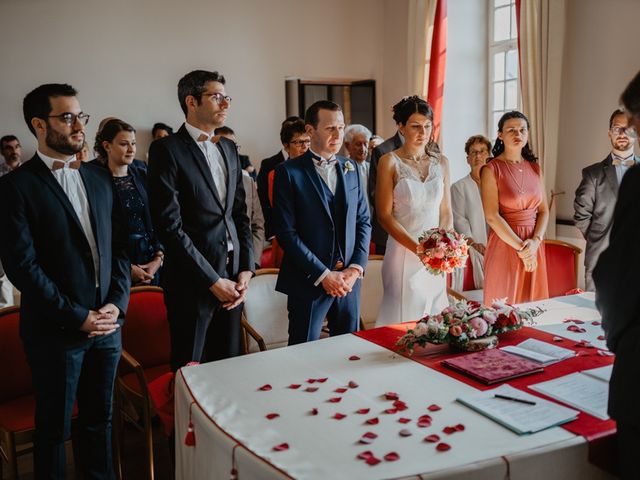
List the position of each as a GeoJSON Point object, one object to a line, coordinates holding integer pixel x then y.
{"type": "Point", "coordinates": [513, 399]}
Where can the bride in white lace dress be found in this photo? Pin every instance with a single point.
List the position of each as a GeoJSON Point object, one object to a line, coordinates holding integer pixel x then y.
{"type": "Point", "coordinates": [412, 195]}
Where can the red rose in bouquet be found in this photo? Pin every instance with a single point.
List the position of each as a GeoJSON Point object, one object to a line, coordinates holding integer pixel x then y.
{"type": "Point", "coordinates": [441, 251]}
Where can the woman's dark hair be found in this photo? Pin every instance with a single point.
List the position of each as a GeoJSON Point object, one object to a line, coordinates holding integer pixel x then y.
{"type": "Point", "coordinates": [630, 98]}
{"type": "Point", "coordinates": [410, 105]}
{"type": "Point", "coordinates": [498, 147]}
{"type": "Point", "coordinates": [289, 130]}
{"type": "Point", "coordinates": [107, 134]}
{"type": "Point", "coordinates": [161, 126]}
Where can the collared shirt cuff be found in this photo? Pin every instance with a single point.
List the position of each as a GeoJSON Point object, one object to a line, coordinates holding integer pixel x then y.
{"type": "Point", "coordinates": [321, 277]}
{"type": "Point", "coordinates": [357, 267]}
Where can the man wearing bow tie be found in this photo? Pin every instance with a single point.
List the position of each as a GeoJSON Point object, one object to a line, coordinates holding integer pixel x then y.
{"type": "Point", "coordinates": [197, 202]}
{"type": "Point", "coordinates": [63, 245]}
{"type": "Point", "coordinates": [596, 195]}
{"type": "Point", "coordinates": [321, 221]}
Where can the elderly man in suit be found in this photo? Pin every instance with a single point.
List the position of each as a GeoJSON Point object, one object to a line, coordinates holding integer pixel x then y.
{"type": "Point", "coordinates": [199, 213]}
{"type": "Point", "coordinates": [321, 220]}
{"type": "Point", "coordinates": [596, 195]}
{"type": "Point", "coordinates": [63, 245]}
{"type": "Point", "coordinates": [617, 297]}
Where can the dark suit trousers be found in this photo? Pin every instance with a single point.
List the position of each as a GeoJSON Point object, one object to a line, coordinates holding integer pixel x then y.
{"type": "Point", "coordinates": [306, 316]}
{"type": "Point", "coordinates": [86, 370]}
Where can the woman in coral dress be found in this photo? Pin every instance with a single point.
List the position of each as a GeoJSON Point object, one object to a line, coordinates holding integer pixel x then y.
{"type": "Point", "coordinates": [515, 207]}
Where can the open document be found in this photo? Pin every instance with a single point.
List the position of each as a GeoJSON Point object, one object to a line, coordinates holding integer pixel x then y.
{"type": "Point", "coordinates": [585, 391]}
{"type": "Point", "coordinates": [517, 410]}
{"type": "Point", "coordinates": [541, 352]}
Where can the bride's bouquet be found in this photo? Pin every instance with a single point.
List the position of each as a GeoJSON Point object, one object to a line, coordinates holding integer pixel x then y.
{"type": "Point", "coordinates": [441, 251]}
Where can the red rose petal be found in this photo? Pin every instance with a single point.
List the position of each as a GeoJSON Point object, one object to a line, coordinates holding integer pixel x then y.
{"type": "Point", "coordinates": [365, 455]}
{"type": "Point", "coordinates": [400, 405]}
{"type": "Point", "coordinates": [371, 435]}
{"type": "Point", "coordinates": [294, 386]}
{"type": "Point", "coordinates": [596, 323]}
{"type": "Point", "coordinates": [314, 411]}
{"type": "Point", "coordinates": [566, 320]}
{"type": "Point", "coordinates": [354, 357]}
{"type": "Point", "coordinates": [339, 416]}
{"type": "Point", "coordinates": [271, 416]}
{"type": "Point", "coordinates": [572, 328]}
{"type": "Point", "coordinates": [391, 411]}
{"type": "Point", "coordinates": [443, 447]}
{"type": "Point", "coordinates": [391, 396]}
{"type": "Point", "coordinates": [601, 337]}
{"type": "Point", "coordinates": [433, 407]}
{"type": "Point", "coordinates": [265, 388]}
{"type": "Point", "coordinates": [311, 380]}
{"type": "Point", "coordinates": [582, 330]}
{"type": "Point", "coordinates": [373, 421]}
{"type": "Point", "coordinates": [449, 430]}
{"type": "Point", "coordinates": [459, 427]}
{"type": "Point", "coordinates": [334, 400]}
{"type": "Point", "coordinates": [363, 411]}
{"type": "Point", "coordinates": [432, 438]}
{"type": "Point", "coordinates": [281, 448]}
{"type": "Point", "coordinates": [365, 440]}
{"type": "Point", "coordinates": [311, 389]}
{"type": "Point", "coordinates": [372, 461]}
{"type": "Point", "coordinates": [391, 457]}
{"type": "Point", "coordinates": [404, 420]}
{"type": "Point", "coordinates": [353, 384]}
{"type": "Point", "coordinates": [424, 421]}
{"type": "Point", "coordinates": [405, 432]}
{"type": "Point", "coordinates": [577, 322]}
{"type": "Point", "coordinates": [321, 380]}
{"type": "Point", "coordinates": [340, 390]}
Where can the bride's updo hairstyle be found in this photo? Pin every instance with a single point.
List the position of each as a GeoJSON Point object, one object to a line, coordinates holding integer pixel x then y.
{"type": "Point", "coordinates": [410, 105]}
{"type": "Point", "coordinates": [498, 147]}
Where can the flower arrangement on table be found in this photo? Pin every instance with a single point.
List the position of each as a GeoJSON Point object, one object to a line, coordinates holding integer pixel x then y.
{"type": "Point", "coordinates": [467, 321]}
{"type": "Point", "coordinates": [441, 251]}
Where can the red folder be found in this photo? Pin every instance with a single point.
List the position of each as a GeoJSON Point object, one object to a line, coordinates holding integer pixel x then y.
{"type": "Point", "coordinates": [492, 366]}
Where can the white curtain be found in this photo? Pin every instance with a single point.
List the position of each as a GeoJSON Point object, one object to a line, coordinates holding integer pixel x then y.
{"type": "Point", "coordinates": [421, 17]}
{"type": "Point", "coordinates": [542, 24]}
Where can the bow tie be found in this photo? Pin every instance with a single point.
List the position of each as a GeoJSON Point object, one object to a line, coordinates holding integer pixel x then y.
{"type": "Point", "coordinates": [321, 162]}
{"type": "Point", "coordinates": [204, 138]}
{"type": "Point", "coordinates": [625, 162]}
{"type": "Point", "coordinates": [59, 164]}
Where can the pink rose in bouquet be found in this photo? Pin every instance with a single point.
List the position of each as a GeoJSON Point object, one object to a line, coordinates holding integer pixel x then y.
{"type": "Point", "coordinates": [441, 251]}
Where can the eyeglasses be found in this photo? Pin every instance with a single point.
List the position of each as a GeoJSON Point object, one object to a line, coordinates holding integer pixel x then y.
{"type": "Point", "coordinates": [300, 143]}
{"type": "Point", "coordinates": [484, 151]}
{"type": "Point", "coordinates": [71, 118]}
{"type": "Point", "coordinates": [218, 97]}
{"type": "Point", "coordinates": [628, 131]}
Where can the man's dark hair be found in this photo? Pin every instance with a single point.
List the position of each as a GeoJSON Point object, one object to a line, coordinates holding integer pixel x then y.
{"type": "Point", "coordinates": [289, 130]}
{"type": "Point", "coordinates": [161, 126]}
{"type": "Point", "coordinates": [194, 83]}
{"type": "Point", "coordinates": [7, 139]}
{"type": "Point", "coordinates": [477, 139]}
{"type": "Point", "coordinates": [630, 98]}
{"type": "Point", "coordinates": [224, 130]}
{"type": "Point", "coordinates": [37, 103]}
{"type": "Point", "coordinates": [311, 115]}
{"type": "Point", "coordinates": [616, 112]}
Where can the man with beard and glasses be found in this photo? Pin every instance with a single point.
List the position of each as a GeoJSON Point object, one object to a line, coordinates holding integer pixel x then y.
{"type": "Point", "coordinates": [596, 195]}
{"type": "Point", "coordinates": [63, 245]}
{"type": "Point", "coordinates": [12, 153]}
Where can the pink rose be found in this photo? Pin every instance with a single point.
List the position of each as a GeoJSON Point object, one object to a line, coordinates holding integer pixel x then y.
{"type": "Point", "coordinates": [438, 253]}
{"type": "Point", "coordinates": [479, 326]}
{"type": "Point", "coordinates": [455, 331]}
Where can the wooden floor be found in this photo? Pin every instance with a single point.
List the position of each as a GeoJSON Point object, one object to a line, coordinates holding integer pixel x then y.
{"type": "Point", "coordinates": [133, 464]}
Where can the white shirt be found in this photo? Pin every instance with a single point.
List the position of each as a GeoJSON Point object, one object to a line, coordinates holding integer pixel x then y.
{"type": "Point", "coordinates": [71, 182]}
{"type": "Point", "coordinates": [216, 164]}
{"type": "Point", "coordinates": [622, 169]}
{"type": "Point", "coordinates": [285, 154]}
{"type": "Point", "coordinates": [327, 171]}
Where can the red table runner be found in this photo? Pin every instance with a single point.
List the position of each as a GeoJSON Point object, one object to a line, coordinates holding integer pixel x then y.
{"type": "Point", "coordinates": [588, 426]}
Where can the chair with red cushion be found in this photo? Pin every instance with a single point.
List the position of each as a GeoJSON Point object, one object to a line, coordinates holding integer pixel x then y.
{"type": "Point", "coordinates": [145, 357]}
{"type": "Point", "coordinates": [17, 401]}
{"type": "Point", "coordinates": [562, 266]}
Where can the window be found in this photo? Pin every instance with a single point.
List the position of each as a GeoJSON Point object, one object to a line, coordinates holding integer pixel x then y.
{"type": "Point", "coordinates": [504, 88]}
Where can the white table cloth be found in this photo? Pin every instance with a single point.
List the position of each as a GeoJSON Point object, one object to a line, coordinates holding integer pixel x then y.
{"type": "Point", "coordinates": [229, 409]}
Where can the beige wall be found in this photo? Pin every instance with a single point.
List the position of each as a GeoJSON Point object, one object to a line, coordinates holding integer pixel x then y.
{"type": "Point", "coordinates": [125, 57]}
{"type": "Point", "coordinates": [600, 57]}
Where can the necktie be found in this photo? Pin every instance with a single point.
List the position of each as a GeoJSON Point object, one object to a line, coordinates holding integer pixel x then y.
{"type": "Point", "coordinates": [625, 162]}
{"type": "Point", "coordinates": [58, 164]}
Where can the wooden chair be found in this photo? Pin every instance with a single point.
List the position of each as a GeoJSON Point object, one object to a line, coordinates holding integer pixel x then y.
{"type": "Point", "coordinates": [264, 316]}
{"type": "Point", "coordinates": [145, 356]}
{"type": "Point", "coordinates": [562, 266]}
{"type": "Point", "coordinates": [371, 292]}
{"type": "Point", "coordinates": [17, 400]}
{"type": "Point", "coordinates": [456, 296]}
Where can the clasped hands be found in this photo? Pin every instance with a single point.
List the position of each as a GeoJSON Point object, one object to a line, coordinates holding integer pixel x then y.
{"type": "Point", "coordinates": [103, 321]}
{"type": "Point", "coordinates": [527, 254]}
{"type": "Point", "coordinates": [231, 293]}
{"type": "Point", "coordinates": [339, 283]}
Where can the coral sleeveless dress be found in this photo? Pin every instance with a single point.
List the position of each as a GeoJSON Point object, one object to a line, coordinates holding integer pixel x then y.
{"type": "Point", "coordinates": [519, 196]}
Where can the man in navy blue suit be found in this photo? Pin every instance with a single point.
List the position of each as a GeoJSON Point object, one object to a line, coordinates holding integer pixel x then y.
{"type": "Point", "coordinates": [63, 245]}
{"type": "Point", "coordinates": [321, 220]}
